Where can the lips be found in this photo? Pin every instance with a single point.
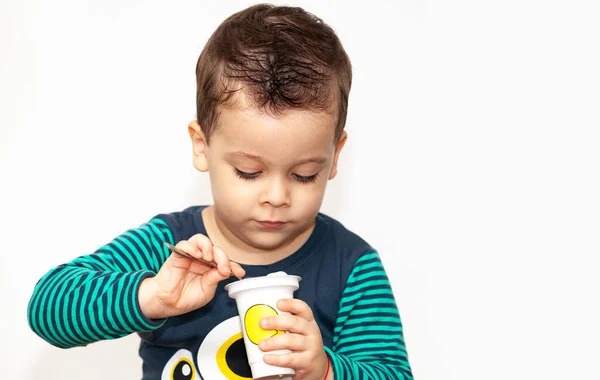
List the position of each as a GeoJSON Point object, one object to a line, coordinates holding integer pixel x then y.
{"type": "Point", "coordinates": [271, 224]}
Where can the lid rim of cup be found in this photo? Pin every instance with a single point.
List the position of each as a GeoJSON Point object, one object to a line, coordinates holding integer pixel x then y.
{"type": "Point", "coordinates": [248, 282]}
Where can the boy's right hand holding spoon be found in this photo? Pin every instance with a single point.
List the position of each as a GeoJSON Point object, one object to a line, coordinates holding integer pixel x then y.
{"type": "Point", "coordinates": [183, 284]}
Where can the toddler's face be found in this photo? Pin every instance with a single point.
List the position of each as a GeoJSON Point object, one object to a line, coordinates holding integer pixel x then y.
{"type": "Point", "coordinates": [268, 174]}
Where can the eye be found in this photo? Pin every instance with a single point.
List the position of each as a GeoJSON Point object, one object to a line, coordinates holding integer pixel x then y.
{"type": "Point", "coordinates": [245, 175]}
{"type": "Point", "coordinates": [179, 367]}
{"type": "Point", "coordinates": [306, 179]}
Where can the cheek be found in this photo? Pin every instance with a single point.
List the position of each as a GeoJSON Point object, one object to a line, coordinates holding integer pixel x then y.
{"type": "Point", "coordinates": [229, 191]}
{"type": "Point", "coordinates": [308, 199]}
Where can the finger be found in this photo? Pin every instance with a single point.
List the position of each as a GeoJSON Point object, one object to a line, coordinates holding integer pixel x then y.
{"type": "Point", "coordinates": [296, 307]}
{"type": "Point", "coordinates": [293, 360]}
{"type": "Point", "coordinates": [237, 269]}
{"type": "Point", "coordinates": [294, 342]}
{"type": "Point", "coordinates": [286, 322]}
{"type": "Point", "coordinates": [222, 261]}
{"type": "Point", "coordinates": [189, 248]}
{"type": "Point", "coordinates": [203, 247]}
{"type": "Point", "coordinates": [213, 277]}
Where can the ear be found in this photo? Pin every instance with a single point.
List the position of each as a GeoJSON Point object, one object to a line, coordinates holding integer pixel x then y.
{"type": "Point", "coordinates": [199, 146]}
{"type": "Point", "coordinates": [338, 149]}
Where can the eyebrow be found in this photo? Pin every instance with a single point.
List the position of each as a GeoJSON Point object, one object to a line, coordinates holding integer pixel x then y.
{"type": "Point", "coordinates": [316, 159]}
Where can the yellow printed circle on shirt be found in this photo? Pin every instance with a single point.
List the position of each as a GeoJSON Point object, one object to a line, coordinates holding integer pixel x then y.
{"type": "Point", "coordinates": [251, 323]}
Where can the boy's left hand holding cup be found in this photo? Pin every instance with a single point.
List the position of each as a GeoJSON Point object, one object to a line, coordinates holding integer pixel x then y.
{"type": "Point", "coordinates": [308, 357]}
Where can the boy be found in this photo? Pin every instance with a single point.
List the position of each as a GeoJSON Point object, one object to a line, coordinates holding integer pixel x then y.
{"type": "Point", "coordinates": [272, 95]}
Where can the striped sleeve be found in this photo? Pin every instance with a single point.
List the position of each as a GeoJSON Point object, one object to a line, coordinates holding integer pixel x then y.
{"type": "Point", "coordinates": [368, 342]}
{"type": "Point", "coordinates": [95, 297]}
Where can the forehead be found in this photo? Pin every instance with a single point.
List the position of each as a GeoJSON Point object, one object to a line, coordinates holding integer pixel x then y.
{"type": "Point", "coordinates": [293, 134]}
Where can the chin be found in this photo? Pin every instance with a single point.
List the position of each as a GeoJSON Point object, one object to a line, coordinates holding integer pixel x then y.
{"type": "Point", "coordinates": [269, 241]}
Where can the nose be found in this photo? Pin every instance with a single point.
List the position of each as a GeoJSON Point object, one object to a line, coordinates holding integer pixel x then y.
{"type": "Point", "coordinates": [276, 193]}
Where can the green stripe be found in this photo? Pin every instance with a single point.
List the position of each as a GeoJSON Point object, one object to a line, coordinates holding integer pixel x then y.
{"type": "Point", "coordinates": [65, 302]}
{"type": "Point", "coordinates": [132, 257]}
{"type": "Point", "coordinates": [136, 254]}
{"type": "Point", "coordinates": [148, 255]}
{"type": "Point", "coordinates": [134, 301]}
{"type": "Point", "coordinates": [133, 322]}
{"type": "Point", "coordinates": [117, 299]}
{"type": "Point", "coordinates": [362, 337]}
{"type": "Point", "coordinates": [106, 289]}
{"type": "Point", "coordinates": [84, 301]}
{"type": "Point", "coordinates": [117, 255]}
{"type": "Point", "coordinates": [90, 306]}
{"type": "Point", "coordinates": [365, 266]}
{"type": "Point", "coordinates": [366, 257]}
{"type": "Point", "coordinates": [368, 293]}
{"type": "Point", "coordinates": [73, 316]}
{"type": "Point", "coordinates": [38, 299]}
{"type": "Point", "coordinates": [371, 327]}
{"type": "Point", "coordinates": [48, 304]}
{"type": "Point", "coordinates": [164, 231]}
{"type": "Point", "coordinates": [60, 334]}
{"type": "Point", "coordinates": [356, 286]}
{"type": "Point", "coordinates": [377, 302]}
{"type": "Point", "coordinates": [109, 309]}
{"type": "Point", "coordinates": [380, 321]}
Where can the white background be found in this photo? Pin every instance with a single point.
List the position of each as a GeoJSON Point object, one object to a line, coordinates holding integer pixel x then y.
{"type": "Point", "coordinates": [473, 166]}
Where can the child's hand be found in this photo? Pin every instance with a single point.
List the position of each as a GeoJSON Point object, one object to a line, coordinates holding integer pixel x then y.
{"type": "Point", "coordinates": [308, 358]}
{"type": "Point", "coordinates": [182, 284]}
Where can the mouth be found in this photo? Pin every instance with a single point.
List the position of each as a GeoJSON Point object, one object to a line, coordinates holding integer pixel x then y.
{"type": "Point", "coordinates": [272, 224]}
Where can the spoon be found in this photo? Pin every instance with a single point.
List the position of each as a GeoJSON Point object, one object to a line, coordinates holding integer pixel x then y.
{"type": "Point", "coordinates": [206, 262]}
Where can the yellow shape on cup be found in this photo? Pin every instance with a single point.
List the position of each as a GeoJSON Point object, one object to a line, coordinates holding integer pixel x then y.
{"type": "Point", "coordinates": [251, 323]}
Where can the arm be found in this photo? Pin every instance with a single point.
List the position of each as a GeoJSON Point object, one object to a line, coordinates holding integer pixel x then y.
{"type": "Point", "coordinates": [95, 297]}
{"type": "Point", "coordinates": [368, 342]}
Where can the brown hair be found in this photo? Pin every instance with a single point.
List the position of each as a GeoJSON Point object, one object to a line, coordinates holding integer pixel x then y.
{"type": "Point", "coordinates": [282, 58]}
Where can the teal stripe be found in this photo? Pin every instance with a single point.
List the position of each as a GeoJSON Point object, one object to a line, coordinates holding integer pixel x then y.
{"type": "Point", "coordinates": [90, 306]}
{"type": "Point", "coordinates": [156, 242]}
{"type": "Point", "coordinates": [371, 293]}
{"type": "Point", "coordinates": [362, 337]}
{"type": "Point", "coordinates": [379, 302]}
{"type": "Point", "coordinates": [118, 301]}
{"type": "Point", "coordinates": [373, 351]}
{"type": "Point", "coordinates": [38, 299]}
{"type": "Point", "coordinates": [132, 321]}
{"type": "Point", "coordinates": [89, 262]}
{"type": "Point", "coordinates": [355, 287]}
{"type": "Point", "coordinates": [142, 244]}
{"type": "Point", "coordinates": [155, 247]}
{"type": "Point", "coordinates": [141, 319]}
{"type": "Point", "coordinates": [138, 317]}
{"type": "Point", "coordinates": [134, 252]}
{"type": "Point", "coordinates": [60, 334]}
{"type": "Point", "coordinates": [109, 310]}
{"type": "Point", "coordinates": [106, 290]}
{"type": "Point", "coordinates": [369, 369]}
{"type": "Point", "coordinates": [65, 302]}
{"type": "Point", "coordinates": [387, 321]}
{"type": "Point", "coordinates": [369, 277]}
{"type": "Point", "coordinates": [369, 265]}
{"type": "Point", "coordinates": [365, 258]}
{"type": "Point", "coordinates": [117, 256]}
{"type": "Point", "coordinates": [117, 242]}
{"type": "Point", "coordinates": [47, 300]}
{"type": "Point", "coordinates": [371, 326]}
{"type": "Point", "coordinates": [162, 232]}
{"type": "Point", "coordinates": [82, 315]}
{"type": "Point", "coordinates": [73, 316]}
